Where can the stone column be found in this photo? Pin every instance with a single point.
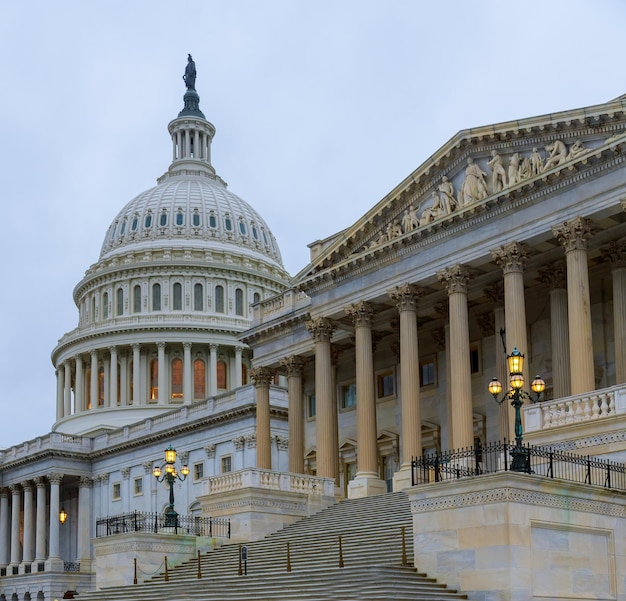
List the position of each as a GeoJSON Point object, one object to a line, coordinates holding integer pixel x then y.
{"type": "Point", "coordinates": [40, 528]}
{"type": "Point", "coordinates": [60, 373]}
{"type": "Point", "coordinates": [138, 399]}
{"type": "Point", "coordinates": [554, 277]}
{"type": "Point", "coordinates": [124, 378]}
{"type": "Point", "coordinates": [327, 451]}
{"type": "Point", "coordinates": [113, 379]}
{"type": "Point", "coordinates": [367, 481]}
{"type": "Point", "coordinates": [442, 309]}
{"type": "Point", "coordinates": [495, 293]}
{"type": "Point", "coordinates": [187, 373]}
{"type": "Point", "coordinates": [54, 553]}
{"type": "Point", "coordinates": [294, 366]}
{"type": "Point", "coordinates": [405, 298]}
{"type": "Point", "coordinates": [16, 510]}
{"type": "Point", "coordinates": [573, 235]}
{"type": "Point", "coordinates": [28, 549]}
{"type": "Point", "coordinates": [67, 393]}
{"type": "Point", "coordinates": [84, 524]}
{"type": "Point", "coordinates": [615, 255]}
{"type": "Point", "coordinates": [238, 352]}
{"type": "Point", "coordinates": [262, 378]}
{"type": "Point", "coordinates": [5, 534]}
{"type": "Point", "coordinates": [93, 384]}
{"type": "Point", "coordinates": [511, 258]}
{"type": "Point", "coordinates": [106, 364]}
{"type": "Point", "coordinates": [162, 398]}
{"type": "Point", "coordinates": [456, 281]}
{"type": "Point", "coordinates": [212, 369]}
{"type": "Point", "coordinates": [79, 386]}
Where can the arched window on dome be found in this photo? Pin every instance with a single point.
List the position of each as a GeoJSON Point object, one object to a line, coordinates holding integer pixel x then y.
{"type": "Point", "coordinates": [105, 305]}
{"type": "Point", "coordinates": [242, 227]}
{"type": "Point", "coordinates": [177, 378]}
{"type": "Point", "coordinates": [212, 221]}
{"type": "Point", "coordinates": [199, 380]}
{"type": "Point", "coordinates": [123, 228]}
{"type": "Point", "coordinates": [219, 299]}
{"type": "Point", "coordinates": [256, 298]}
{"type": "Point", "coordinates": [239, 301]}
{"type": "Point", "coordinates": [134, 223]}
{"type": "Point", "coordinates": [154, 379]}
{"type": "Point", "coordinates": [195, 219]}
{"type": "Point", "coordinates": [222, 379]}
{"type": "Point", "coordinates": [148, 221]}
{"type": "Point", "coordinates": [156, 297]}
{"type": "Point", "coordinates": [180, 218]}
{"type": "Point", "coordinates": [255, 233]}
{"type": "Point", "coordinates": [177, 297]}
{"type": "Point", "coordinates": [93, 309]}
{"type": "Point", "coordinates": [163, 219]}
{"type": "Point", "coordinates": [119, 309]}
{"type": "Point", "coordinates": [228, 224]}
{"type": "Point", "coordinates": [198, 297]}
{"type": "Point", "coordinates": [137, 299]}
{"type": "Point", "coordinates": [113, 228]}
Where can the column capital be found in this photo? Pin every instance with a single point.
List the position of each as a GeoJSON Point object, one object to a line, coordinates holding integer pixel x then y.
{"type": "Point", "coordinates": [112, 349]}
{"type": "Point", "coordinates": [455, 279]}
{"type": "Point", "coordinates": [573, 234]}
{"type": "Point", "coordinates": [614, 253]}
{"type": "Point", "coordinates": [15, 489]}
{"type": "Point", "coordinates": [85, 482]}
{"type": "Point", "coordinates": [495, 293]}
{"type": "Point", "coordinates": [511, 257]}
{"type": "Point", "coordinates": [187, 345]}
{"type": "Point", "coordinates": [55, 478]}
{"type": "Point", "coordinates": [147, 467]}
{"type": "Point", "coordinates": [294, 365]}
{"type": "Point", "coordinates": [210, 450]}
{"type": "Point", "coordinates": [360, 313]}
{"type": "Point", "coordinates": [321, 328]}
{"type": "Point", "coordinates": [104, 478]}
{"type": "Point", "coordinates": [213, 347]}
{"type": "Point", "coordinates": [40, 481]}
{"type": "Point", "coordinates": [239, 349]}
{"type": "Point", "coordinates": [27, 485]}
{"type": "Point", "coordinates": [405, 296]}
{"type": "Point", "coordinates": [161, 345]}
{"type": "Point", "coordinates": [4, 493]}
{"type": "Point", "coordinates": [125, 471]}
{"type": "Point", "coordinates": [554, 276]}
{"type": "Point", "coordinates": [262, 376]}
{"type": "Point", "coordinates": [135, 346]}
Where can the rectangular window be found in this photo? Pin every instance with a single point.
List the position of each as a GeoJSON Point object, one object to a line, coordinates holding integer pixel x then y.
{"type": "Point", "coordinates": [348, 395]}
{"type": "Point", "coordinates": [428, 371]}
{"type": "Point", "coordinates": [475, 358]}
{"type": "Point", "coordinates": [386, 384]}
{"type": "Point", "coordinates": [117, 491]}
{"type": "Point", "coordinates": [310, 406]}
{"type": "Point", "coordinates": [198, 471]}
{"type": "Point", "coordinates": [138, 486]}
{"type": "Point", "coordinates": [227, 464]}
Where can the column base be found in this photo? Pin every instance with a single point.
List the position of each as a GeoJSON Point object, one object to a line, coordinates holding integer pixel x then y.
{"type": "Point", "coordinates": [366, 486]}
{"type": "Point", "coordinates": [402, 478]}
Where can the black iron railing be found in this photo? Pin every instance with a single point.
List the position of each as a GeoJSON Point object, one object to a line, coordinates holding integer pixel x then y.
{"type": "Point", "coordinates": [496, 457]}
{"type": "Point", "coordinates": [139, 521]}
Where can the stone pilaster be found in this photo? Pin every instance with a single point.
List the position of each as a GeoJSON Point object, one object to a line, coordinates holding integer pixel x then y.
{"type": "Point", "coordinates": [615, 255]}
{"type": "Point", "coordinates": [327, 450]}
{"type": "Point", "coordinates": [40, 527]}
{"type": "Point", "coordinates": [54, 552]}
{"type": "Point", "coordinates": [84, 524]}
{"type": "Point", "coordinates": [28, 546]}
{"type": "Point", "coordinates": [213, 369]}
{"type": "Point", "coordinates": [456, 281]}
{"type": "Point", "coordinates": [294, 366]}
{"type": "Point", "coordinates": [406, 298]}
{"type": "Point", "coordinates": [238, 364]}
{"type": "Point", "coordinates": [16, 510]}
{"type": "Point", "coordinates": [573, 235]}
{"type": "Point", "coordinates": [262, 378]}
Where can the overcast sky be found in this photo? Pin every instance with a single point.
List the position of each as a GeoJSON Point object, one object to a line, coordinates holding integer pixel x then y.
{"type": "Point", "coordinates": [321, 108]}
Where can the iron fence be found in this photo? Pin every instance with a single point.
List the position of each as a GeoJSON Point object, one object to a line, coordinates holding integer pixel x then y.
{"type": "Point", "coordinates": [497, 457]}
{"type": "Point", "coordinates": [140, 521]}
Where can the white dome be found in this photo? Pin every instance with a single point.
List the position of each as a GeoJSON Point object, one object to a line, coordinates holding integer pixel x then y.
{"type": "Point", "coordinates": [185, 210]}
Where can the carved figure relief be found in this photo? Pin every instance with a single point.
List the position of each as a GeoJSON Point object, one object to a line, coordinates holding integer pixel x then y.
{"type": "Point", "coordinates": [447, 195]}
{"type": "Point", "coordinates": [498, 174]}
{"type": "Point", "coordinates": [474, 186]}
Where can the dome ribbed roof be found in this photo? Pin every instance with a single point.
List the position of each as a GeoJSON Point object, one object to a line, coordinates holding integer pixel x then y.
{"type": "Point", "coordinates": [185, 211]}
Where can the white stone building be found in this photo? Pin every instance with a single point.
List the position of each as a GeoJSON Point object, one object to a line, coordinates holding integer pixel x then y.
{"type": "Point", "coordinates": [510, 235]}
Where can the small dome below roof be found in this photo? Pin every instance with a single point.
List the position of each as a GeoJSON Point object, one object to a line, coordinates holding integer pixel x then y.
{"type": "Point", "coordinates": [186, 210]}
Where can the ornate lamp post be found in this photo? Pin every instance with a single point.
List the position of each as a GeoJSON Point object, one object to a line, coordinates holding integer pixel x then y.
{"type": "Point", "coordinates": [168, 473]}
{"type": "Point", "coordinates": [516, 381]}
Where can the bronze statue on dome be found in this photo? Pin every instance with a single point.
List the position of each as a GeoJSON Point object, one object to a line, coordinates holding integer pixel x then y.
{"type": "Point", "coordinates": [190, 74]}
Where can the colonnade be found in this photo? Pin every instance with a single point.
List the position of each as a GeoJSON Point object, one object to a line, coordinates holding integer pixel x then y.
{"type": "Point", "coordinates": [137, 375]}
{"type": "Point", "coordinates": [572, 351]}
{"type": "Point", "coordinates": [30, 527]}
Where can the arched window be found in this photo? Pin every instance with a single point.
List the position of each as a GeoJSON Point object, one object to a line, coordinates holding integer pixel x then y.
{"type": "Point", "coordinates": [163, 219]}
{"type": "Point", "coordinates": [199, 380]}
{"type": "Point", "coordinates": [239, 301]}
{"type": "Point", "coordinates": [88, 388]}
{"type": "Point", "coordinates": [198, 297]}
{"type": "Point", "coordinates": [119, 310]}
{"type": "Point", "coordinates": [154, 379]}
{"type": "Point", "coordinates": [222, 380]}
{"type": "Point", "coordinates": [256, 298]}
{"type": "Point", "coordinates": [196, 219]}
{"type": "Point", "coordinates": [177, 294]}
{"type": "Point", "coordinates": [180, 219]}
{"type": "Point", "coordinates": [101, 387]}
{"type": "Point", "coordinates": [156, 297]}
{"type": "Point", "coordinates": [137, 299]}
{"type": "Point", "coordinates": [219, 299]}
{"type": "Point", "coordinates": [93, 309]}
{"type": "Point", "coordinates": [105, 305]}
{"type": "Point", "coordinates": [177, 378]}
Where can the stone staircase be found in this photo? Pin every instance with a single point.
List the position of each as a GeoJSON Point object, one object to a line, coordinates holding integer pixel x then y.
{"type": "Point", "coordinates": [371, 551]}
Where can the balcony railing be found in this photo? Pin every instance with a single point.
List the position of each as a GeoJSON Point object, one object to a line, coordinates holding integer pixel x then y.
{"type": "Point", "coordinates": [540, 461]}
{"type": "Point", "coordinates": [140, 521]}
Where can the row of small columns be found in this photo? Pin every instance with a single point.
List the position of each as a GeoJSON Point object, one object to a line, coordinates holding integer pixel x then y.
{"type": "Point", "coordinates": [571, 348]}
{"type": "Point", "coordinates": [32, 549]}
{"type": "Point", "coordinates": [64, 378]}
{"type": "Point", "coordinates": [181, 148]}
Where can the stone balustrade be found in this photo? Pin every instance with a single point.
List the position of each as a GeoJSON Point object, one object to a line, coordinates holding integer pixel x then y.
{"type": "Point", "coordinates": [599, 404]}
